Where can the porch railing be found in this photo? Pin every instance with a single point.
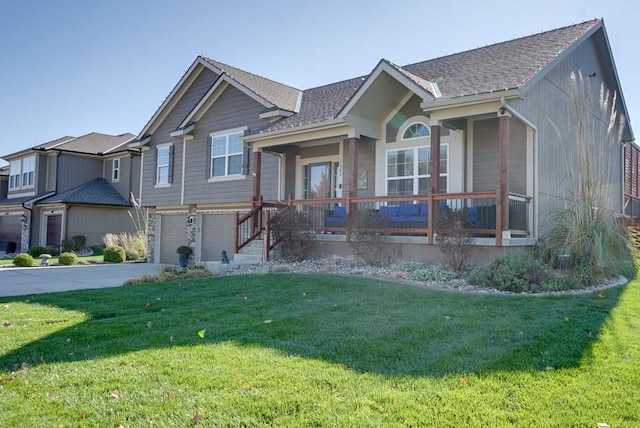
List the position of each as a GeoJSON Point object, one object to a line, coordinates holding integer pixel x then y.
{"type": "Point", "coordinates": [404, 215]}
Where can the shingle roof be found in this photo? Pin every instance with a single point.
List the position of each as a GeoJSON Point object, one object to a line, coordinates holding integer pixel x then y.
{"type": "Point", "coordinates": [506, 65]}
{"type": "Point", "coordinates": [94, 192]}
{"type": "Point", "coordinates": [319, 104]}
{"type": "Point", "coordinates": [281, 95]}
{"type": "Point", "coordinates": [498, 67]}
{"type": "Point", "coordinates": [23, 200]}
{"type": "Point", "coordinates": [96, 143]}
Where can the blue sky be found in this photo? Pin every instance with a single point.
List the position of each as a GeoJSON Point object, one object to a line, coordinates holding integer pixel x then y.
{"type": "Point", "coordinates": [69, 67]}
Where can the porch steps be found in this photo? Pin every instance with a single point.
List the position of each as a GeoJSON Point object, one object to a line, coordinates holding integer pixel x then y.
{"type": "Point", "coordinates": [250, 254]}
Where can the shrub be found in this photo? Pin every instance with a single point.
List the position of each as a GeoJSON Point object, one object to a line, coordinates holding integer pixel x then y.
{"type": "Point", "coordinates": [97, 249]}
{"type": "Point", "coordinates": [135, 243]}
{"type": "Point", "coordinates": [75, 243]}
{"type": "Point", "coordinates": [431, 273]}
{"type": "Point", "coordinates": [114, 254]}
{"type": "Point", "coordinates": [23, 260]}
{"type": "Point", "coordinates": [131, 255]}
{"type": "Point", "coordinates": [292, 230]}
{"type": "Point", "coordinates": [36, 251]}
{"type": "Point", "coordinates": [454, 239]}
{"type": "Point", "coordinates": [50, 249]}
{"type": "Point", "coordinates": [368, 237]}
{"type": "Point", "coordinates": [68, 259]}
{"type": "Point", "coordinates": [512, 273]}
{"type": "Point", "coordinates": [170, 273]}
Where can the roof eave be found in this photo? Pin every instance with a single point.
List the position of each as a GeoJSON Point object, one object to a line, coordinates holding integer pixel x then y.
{"type": "Point", "coordinates": [332, 123]}
{"type": "Point", "coordinates": [440, 104]}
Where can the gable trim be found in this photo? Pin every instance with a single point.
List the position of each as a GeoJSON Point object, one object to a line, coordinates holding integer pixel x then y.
{"type": "Point", "coordinates": [384, 66]}
{"type": "Point", "coordinates": [174, 96]}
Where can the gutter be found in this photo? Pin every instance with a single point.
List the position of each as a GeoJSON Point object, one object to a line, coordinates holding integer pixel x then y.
{"type": "Point", "coordinates": [329, 124]}
{"type": "Point", "coordinates": [441, 104]}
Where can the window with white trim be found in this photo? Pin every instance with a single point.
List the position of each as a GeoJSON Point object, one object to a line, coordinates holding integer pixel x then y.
{"type": "Point", "coordinates": [163, 163]}
{"type": "Point", "coordinates": [409, 170]}
{"type": "Point", "coordinates": [22, 173]}
{"type": "Point", "coordinates": [416, 130]}
{"type": "Point", "coordinates": [226, 154]}
{"type": "Point", "coordinates": [115, 171]}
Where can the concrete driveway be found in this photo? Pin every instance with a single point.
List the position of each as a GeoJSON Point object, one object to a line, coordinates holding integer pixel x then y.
{"type": "Point", "coordinates": [20, 281]}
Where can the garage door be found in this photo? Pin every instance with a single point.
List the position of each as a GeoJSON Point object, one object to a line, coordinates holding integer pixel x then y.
{"type": "Point", "coordinates": [217, 235]}
{"type": "Point", "coordinates": [10, 230]}
{"type": "Point", "coordinates": [173, 233]}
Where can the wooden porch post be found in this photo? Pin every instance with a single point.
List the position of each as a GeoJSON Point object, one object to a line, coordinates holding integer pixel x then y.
{"type": "Point", "coordinates": [503, 140]}
{"type": "Point", "coordinates": [257, 167]}
{"type": "Point", "coordinates": [435, 158]}
{"type": "Point", "coordinates": [353, 166]}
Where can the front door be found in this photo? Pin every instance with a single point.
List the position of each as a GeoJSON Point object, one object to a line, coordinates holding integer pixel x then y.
{"type": "Point", "coordinates": [54, 230]}
{"type": "Point", "coordinates": [318, 181]}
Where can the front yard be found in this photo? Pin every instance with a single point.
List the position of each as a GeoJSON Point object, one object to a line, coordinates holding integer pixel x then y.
{"type": "Point", "coordinates": [318, 350]}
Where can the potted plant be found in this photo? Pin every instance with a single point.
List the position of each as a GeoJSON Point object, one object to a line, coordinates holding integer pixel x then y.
{"type": "Point", "coordinates": [183, 255]}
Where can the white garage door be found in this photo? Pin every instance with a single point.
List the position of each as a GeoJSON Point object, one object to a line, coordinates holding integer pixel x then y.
{"type": "Point", "coordinates": [173, 233]}
{"type": "Point", "coordinates": [217, 235]}
{"type": "Point", "coordinates": [10, 230]}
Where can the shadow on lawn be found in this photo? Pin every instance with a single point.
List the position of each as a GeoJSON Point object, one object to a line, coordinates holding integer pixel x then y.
{"type": "Point", "coordinates": [363, 324]}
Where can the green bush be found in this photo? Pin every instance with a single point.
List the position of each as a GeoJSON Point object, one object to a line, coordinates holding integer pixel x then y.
{"type": "Point", "coordinates": [512, 273]}
{"type": "Point", "coordinates": [170, 273]}
{"type": "Point", "coordinates": [131, 255]}
{"type": "Point", "coordinates": [75, 243]}
{"type": "Point", "coordinates": [431, 273]}
{"type": "Point", "coordinates": [36, 251]}
{"type": "Point", "coordinates": [97, 249]}
{"type": "Point", "coordinates": [23, 260]}
{"type": "Point", "coordinates": [50, 249]}
{"type": "Point", "coordinates": [68, 259]}
{"type": "Point", "coordinates": [114, 254]}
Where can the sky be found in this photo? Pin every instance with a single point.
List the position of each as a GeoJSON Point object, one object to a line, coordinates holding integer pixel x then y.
{"type": "Point", "coordinates": [70, 67]}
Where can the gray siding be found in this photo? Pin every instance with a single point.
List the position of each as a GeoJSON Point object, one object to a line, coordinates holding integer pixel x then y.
{"type": "Point", "coordinates": [171, 195]}
{"type": "Point", "coordinates": [548, 101]}
{"type": "Point", "coordinates": [233, 109]}
{"type": "Point", "coordinates": [41, 173]}
{"type": "Point", "coordinates": [129, 175]}
{"type": "Point", "coordinates": [486, 156]}
{"type": "Point", "coordinates": [52, 172]}
{"type": "Point", "coordinates": [366, 164]}
{"type": "Point", "coordinates": [76, 170]}
{"type": "Point", "coordinates": [95, 222]}
{"type": "Point", "coordinates": [316, 151]}
{"type": "Point", "coordinates": [411, 108]}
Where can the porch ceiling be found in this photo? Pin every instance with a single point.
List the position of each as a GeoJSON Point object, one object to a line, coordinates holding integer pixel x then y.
{"type": "Point", "coordinates": [383, 95]}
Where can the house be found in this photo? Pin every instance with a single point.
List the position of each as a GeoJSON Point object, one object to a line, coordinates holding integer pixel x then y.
{"type": "Point", "coordinates": [481, 130]}
{"type": "Point", "coordinates": [66, 187]}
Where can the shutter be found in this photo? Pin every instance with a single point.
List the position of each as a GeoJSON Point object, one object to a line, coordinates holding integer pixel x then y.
{"type": "Point", "coordinates": [207, 162]}
{"type": "Point", "coordinates": [171, 163]}
{"type": "Point", "coordinates": [246, 160]}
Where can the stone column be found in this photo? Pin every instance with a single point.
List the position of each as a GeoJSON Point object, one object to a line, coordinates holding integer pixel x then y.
{"type": "Point", "coordinates": [151, 234]}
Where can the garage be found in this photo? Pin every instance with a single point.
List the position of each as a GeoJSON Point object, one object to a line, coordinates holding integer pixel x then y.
{"type": "Point", "coordinates": [217, 235]}
{"type": "Point", "coordinates": [173, 233]}
{"type": "Point", "coordinates": [10, 228]}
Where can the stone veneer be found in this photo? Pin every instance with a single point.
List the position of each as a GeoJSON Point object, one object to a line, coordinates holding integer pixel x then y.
{"type": "Point", "coordinates": [192, 225]}
{"type": "Point", "coordinates": [151, 234]}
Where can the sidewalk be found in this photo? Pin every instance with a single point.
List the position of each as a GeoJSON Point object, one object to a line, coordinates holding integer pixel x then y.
{"type": "Point", "coordinates": [21, 281]}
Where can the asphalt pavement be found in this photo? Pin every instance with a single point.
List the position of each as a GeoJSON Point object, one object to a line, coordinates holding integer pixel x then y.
{"type": "Point", "coordinates": [16, 281]}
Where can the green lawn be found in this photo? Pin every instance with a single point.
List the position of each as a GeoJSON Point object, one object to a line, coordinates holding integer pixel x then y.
{"type": "Point", "coordinates": [314, 350]}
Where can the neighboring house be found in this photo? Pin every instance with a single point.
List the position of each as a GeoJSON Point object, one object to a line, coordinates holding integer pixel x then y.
{"type": "Point", "coordinates": [470, 131]}
{"type": "Point", "coordinates": [69, 186]}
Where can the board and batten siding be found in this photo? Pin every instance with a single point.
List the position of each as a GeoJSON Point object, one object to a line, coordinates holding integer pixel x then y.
{"type": "Point", "coordinates": [52, 173]}
{"type": "Point", "coordinates": [233, 109]}
{"type": "Point", "coordinates": [547, 103]}
{"type": "Point", "coordinates": [76, 170]}
{"type": "Point", "coordinates": [486, 156]}
{"type": "Point", "coordinates": [95, 222]}
{"type": "Point", "coordinates": [152, 196]}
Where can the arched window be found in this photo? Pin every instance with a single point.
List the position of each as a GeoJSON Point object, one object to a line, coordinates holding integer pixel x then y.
{"type": "Point", "coordinates": [416, 130]}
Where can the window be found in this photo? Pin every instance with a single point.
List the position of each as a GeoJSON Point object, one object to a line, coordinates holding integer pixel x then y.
{"type": "Point", "coordinates": [226, 154]}
{"type": "Point", "coordinates": [115, 172]}
{"type": "Point", "coordinates": [416, 130]}
{"type": "Point", "coordinates": [22, 173]}
{"type": "Point", "coordinates": [163, 165]}
{"type": "Point", "coordinates": [409, 170]}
